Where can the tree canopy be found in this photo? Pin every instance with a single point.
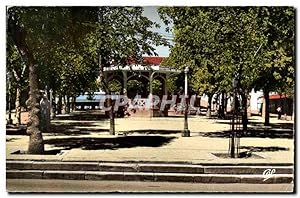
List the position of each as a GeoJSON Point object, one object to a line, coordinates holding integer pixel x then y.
{"type": "Point", "coordinates": [254, 45]}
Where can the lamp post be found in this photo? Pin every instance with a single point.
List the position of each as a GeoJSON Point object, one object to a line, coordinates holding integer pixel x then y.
{"type": "Point", "coordinates": [186, 131]}
{"type": "Point", "coordinates": [9, 98]}
{"type": "Point", "coordinates": [234, 111]}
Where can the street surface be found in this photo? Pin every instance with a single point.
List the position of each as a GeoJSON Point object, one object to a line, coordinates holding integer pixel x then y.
{"type": "Point", "coordinates": [33, 185]}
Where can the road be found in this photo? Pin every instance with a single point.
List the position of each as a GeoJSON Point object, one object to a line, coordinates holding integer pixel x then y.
{"type": "Point", "coordinates": [34, 185]}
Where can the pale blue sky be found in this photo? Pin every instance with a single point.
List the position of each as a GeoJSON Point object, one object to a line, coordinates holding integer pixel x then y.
{"type": "Point", "coordinates": [151, 13]}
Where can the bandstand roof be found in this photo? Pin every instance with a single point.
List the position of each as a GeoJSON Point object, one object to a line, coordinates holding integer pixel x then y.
{"type": "Point", "coordinates": [151, 64]}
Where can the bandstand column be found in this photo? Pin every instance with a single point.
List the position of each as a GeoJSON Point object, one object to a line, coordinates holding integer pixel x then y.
{"type": "Point", "coordinates": [151, 74]}
{"type": "Point", "coordinates": [165, 85]}
{"type": "Point", "coordinates": [150, 83]}
{"type": "Point", "coordinates": [124, 83]}
{"type": "Point", "coordinates": [105, 76]}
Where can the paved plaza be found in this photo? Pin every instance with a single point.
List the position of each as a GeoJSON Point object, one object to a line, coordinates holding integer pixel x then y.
{"type": "Point", "coordinates": [83, 136]}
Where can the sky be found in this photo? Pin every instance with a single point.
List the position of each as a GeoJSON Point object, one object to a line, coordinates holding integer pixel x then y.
{"type": "Point", "coordinates": [151, 13]}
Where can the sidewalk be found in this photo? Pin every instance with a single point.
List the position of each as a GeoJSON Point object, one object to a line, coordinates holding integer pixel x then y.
{"type": "Point", "coordinates": [155, 140]}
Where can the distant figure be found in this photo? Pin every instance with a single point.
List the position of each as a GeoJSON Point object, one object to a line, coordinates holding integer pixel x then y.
{"type": "Point", "coordinates": [126, 112]}
{"type": "Point", "coordinates": [279, 112]}
{"type": "Point", "coordinates": [45, 113]}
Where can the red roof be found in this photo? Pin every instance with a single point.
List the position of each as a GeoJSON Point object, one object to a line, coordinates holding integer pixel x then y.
{"type": "Point", "coordinates": [150, 60]}
{"type": "Point", "coordinates": [153, 60]}
{"type": "Point", "coordinates": [276, 96]}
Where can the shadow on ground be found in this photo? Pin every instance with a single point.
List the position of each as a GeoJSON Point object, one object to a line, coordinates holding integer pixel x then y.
{"type": "Point", "coordinates": [261, 124]}
{"type": "Point", "coordinates": [74, 129]}
{"type": "Point", "coordinates": [61, 129]}
{"type": "Point", "coordinates": [109, 143]}
{"type": "Point", "coordinates": [11, 139]}
{"type": "Point", "coordinates": [283, 125]}
{"type": "Point", "coordinates": [16, 130]}
{"type": "Point", "coordinates": [83, 115]}
{"type": "Point", "coordinates": [152, 131]}
{"type": "Point", "coordinates": [240, 155]}
{"type": "Point", "coordinates": [49, 152]}
{"type": "Point", "coordinates": [264, 149]}
{"type": "Point", "coordinates": [272, 125]}
{"type": "Point", "coordinates": [253, 133]}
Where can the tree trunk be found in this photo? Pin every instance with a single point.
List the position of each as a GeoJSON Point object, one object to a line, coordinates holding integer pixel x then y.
{"type": "Point", "coordinates": [36, 145]}
{"type": "Point", "coordinates": [68, 104]}
{"type": "Point", "coordinates": [74, 103]}
{"type": "Point", "coordinates": [208, 113]}
{"type": "Point", "coordinates": [225, 104]}
{"type": "Point", "coordinates": [53, 109]}
{"type": "Point", "coordinates": [293, 108]}
{"type": "Point", "coordinates": [111, 117]}
{"type": "Point", "coordinates": [244, 111]}
{"type": "Point", "coordinates": [199, 106]}
{"type": "Point", "coordinates": [222, 111]}
{"type": "Point", "coordinates": [285, 107]}
{"type": "Point", "coordinates": [107, 92]}
{"type": "Point", "coordinates": [19, 78]}
{"type": "Point", "coordinates": [59, 105]}
{"type": "Point", "coordinates": [267, 109]}
{"type": "Point", "coordinates": [63, 101]}
{"type": "Point", "coordinates": [18, 105]}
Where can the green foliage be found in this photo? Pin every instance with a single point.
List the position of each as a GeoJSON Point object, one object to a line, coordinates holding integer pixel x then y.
{"type": "Point", "coordinates": [157, 87]}
{"type": "Point", "coordinates": [56, 36]}
{"type": "Point", "coordinates": [172, 84]}
{"type": "Point", "coordinates": [135, 85]}
{"type": "Point", "coordinates": [122, 33]}
{"type": "Point", "coordinates": [277, 62]}
{"type": "Point", "coordinates": [115, 86]}
{"type": "Point", "coordinates": [67, 41]}
{"type": "Point", "coordinates": [254, 44]}
{"type": "Point", "coordinates": [18, 71]}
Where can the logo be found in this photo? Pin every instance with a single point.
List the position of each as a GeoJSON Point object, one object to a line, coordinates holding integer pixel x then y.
{"type": "Point", "coordinates": [268, 173]}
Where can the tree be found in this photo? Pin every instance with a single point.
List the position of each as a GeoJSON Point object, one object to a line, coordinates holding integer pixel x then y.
{"type": "Point", "coordinates": [63, 54]}
{"type": "Point", "coordinates": [122, 33]}
{"type": "Point", "coordinates": [197, 50]}
{"type": "Point", "coordinates": [255, 45]}
{"type": "Point", "coordinates": [276, 65]}
{"type": "Point", "coordinates": [245, 39]}
{"type": "Point", "coordinates": [48, 46]}
{"type": "Point", "coordinates": [18, 68]}
{"type": "Point", "coordinates": [220, 44]}
{"type": "Point", "coordinates": [19, 35]}
{"type": "Point", "coordinates": [66, 64]}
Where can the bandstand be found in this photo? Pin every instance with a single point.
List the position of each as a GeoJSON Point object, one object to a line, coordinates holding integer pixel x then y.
{"type": "Point", "coordinates": [145, 73]}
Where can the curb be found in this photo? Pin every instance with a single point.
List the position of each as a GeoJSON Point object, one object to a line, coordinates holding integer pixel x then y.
{"type": "Point", "coordinates": [142, 176]}
{"type": "Point", "coordinates": [149, 172]}
{"type": "Point", "coordinates": [142, 167]}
